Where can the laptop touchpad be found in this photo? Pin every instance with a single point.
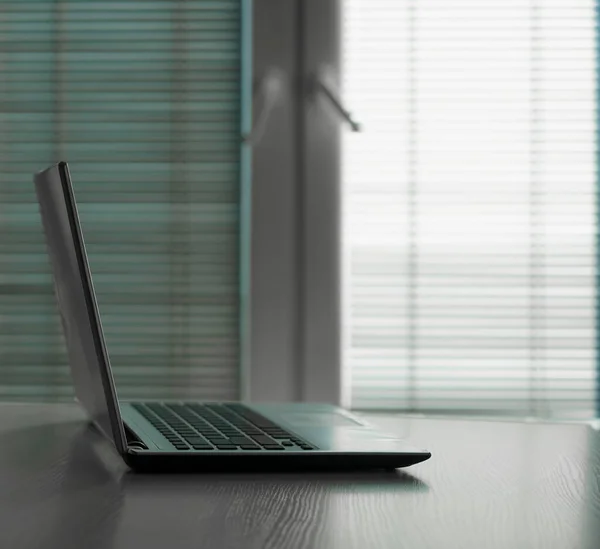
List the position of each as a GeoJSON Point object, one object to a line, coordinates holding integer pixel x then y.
{"type": "Point", "coordinates": [320, 418]}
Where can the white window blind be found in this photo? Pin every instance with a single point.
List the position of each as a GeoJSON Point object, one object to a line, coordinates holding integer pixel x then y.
{"type": "Point", "coordinates": [469, 205]}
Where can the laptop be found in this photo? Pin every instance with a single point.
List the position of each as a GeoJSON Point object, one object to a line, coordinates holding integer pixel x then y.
{"type": "Point", "coordinates": [159, 436]}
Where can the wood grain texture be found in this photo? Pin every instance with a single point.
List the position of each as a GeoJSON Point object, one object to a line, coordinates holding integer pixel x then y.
{"type": "Point", "coordinates": [488, 485]}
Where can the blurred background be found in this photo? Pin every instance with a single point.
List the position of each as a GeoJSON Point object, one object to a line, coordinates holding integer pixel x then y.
{"type": "Point", "coordinates": [246, 243]}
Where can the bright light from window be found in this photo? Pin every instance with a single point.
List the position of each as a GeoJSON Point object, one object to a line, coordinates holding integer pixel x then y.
{"type": "Point", "coordinates": [469, 200]}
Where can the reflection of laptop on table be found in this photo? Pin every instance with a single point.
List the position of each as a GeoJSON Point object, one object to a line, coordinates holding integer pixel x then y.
{"type": "Point", "coordinates": [158, 436]}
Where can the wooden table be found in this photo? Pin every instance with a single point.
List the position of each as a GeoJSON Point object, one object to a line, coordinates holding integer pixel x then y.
{"type": "Point", "coordinates": [488, 485]}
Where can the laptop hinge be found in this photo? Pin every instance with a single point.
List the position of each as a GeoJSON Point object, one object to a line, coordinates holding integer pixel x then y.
{"type": "Point", "coordinates": [133, 441]}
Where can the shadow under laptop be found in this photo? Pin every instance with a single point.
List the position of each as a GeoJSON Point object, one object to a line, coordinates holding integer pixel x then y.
{"type": "Point", "coordinates": [364, 481]}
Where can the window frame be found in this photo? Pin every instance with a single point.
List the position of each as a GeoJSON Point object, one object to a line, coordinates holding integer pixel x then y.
{"type": "Point", "coordinates": [295, 350]}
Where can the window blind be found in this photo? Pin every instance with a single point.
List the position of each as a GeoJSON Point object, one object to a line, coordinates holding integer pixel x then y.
{"type": "Point", "coordinates": [143, 99]}
{"type": "Point", "coordinates": [469, 206]}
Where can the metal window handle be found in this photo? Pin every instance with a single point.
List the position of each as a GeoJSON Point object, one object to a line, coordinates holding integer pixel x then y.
{"type": "Point", "coordinates": [322, 86]}
{"type": "Point", "coordinates": [266, 95]}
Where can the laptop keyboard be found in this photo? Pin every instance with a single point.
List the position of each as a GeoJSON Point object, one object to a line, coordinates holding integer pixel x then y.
{"type": "Point", "coordinates": [218, 427]}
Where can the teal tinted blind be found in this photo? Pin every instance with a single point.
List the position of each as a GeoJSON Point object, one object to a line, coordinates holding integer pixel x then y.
{"type": "Point", "coordinates": [470, 214]}
{"type": "Point", "coordinates": [143, 99]}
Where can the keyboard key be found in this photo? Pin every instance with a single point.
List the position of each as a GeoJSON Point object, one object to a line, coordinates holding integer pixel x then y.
{"type": "Point", "coordinates": [226, 446]}
{"type": "Point", "coordinates": [218, 440]}
{"type": "Point", "coordinates": [272, 447]}
{"type": "Point", "coordinates": [287, 443]}
{"type": "Point", "coordinates": [263, 439]}
{"type": "Point", "coordinates": [202, 447]}
{"type": "Point", "coordinates": [240, 440]}
{"type": "Point", "coordinates": [196, 440]}
{"type": "Point", "coordinates": [250, 447]}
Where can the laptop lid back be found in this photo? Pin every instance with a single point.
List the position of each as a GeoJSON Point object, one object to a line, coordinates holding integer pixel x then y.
{"type": "Point", "coordinates": [88, 358]}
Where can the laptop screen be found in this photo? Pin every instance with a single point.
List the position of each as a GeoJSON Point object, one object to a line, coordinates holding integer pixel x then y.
{"type": "Point", "coordinates": [76, 300]}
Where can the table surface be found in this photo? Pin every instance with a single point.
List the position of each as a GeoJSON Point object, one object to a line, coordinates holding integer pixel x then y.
{"type": "Point", "coordinates": [488, 485]}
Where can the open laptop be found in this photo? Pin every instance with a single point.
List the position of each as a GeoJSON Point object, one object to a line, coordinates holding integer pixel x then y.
{"type": "Point", "coordinates": [173, 435]}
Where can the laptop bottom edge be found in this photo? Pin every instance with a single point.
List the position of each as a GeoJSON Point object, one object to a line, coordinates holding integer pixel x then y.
{"type": "Point", "coordinates": [180, 462]}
